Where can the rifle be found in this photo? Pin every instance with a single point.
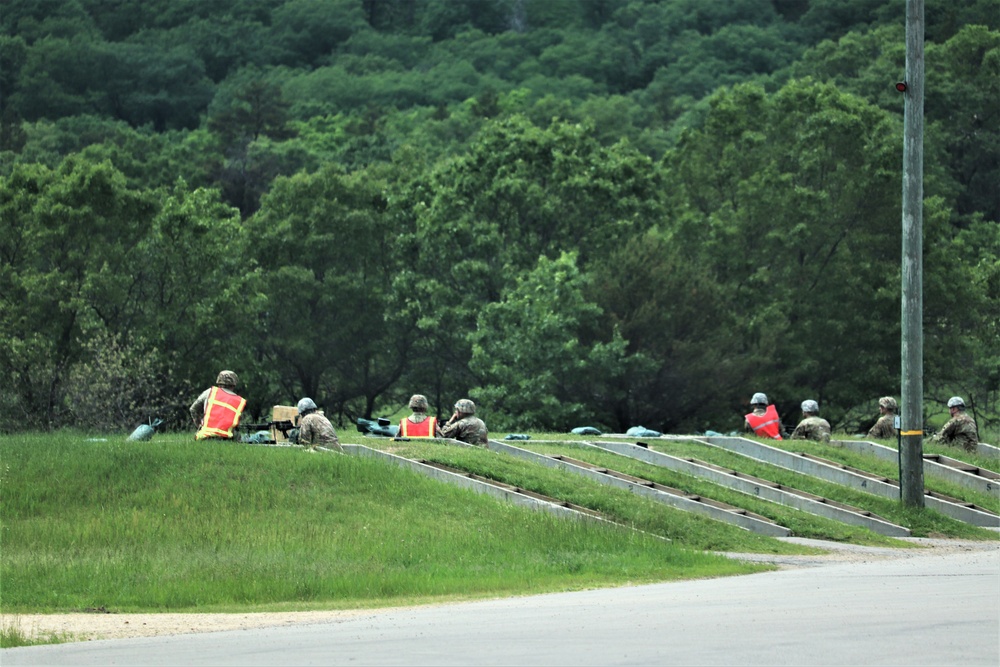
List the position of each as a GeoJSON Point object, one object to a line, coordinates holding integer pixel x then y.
{"type": "Point", "coordinates": [283, 425]}
{"type": "Point", "coordinates": [382, 427]}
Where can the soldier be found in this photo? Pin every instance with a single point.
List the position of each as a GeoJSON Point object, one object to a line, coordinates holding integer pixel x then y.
{"type": "Point", "coordinates": [764, 421]}
{"type": "Point", "coordinates": [314, 428]}
{"type": "Point", "coordinates": [217, 410]}
{"type": "Point", "coordinates": [812, 426]}
{"type": "Point", "coordinates": [419, 425]}
{"type": "Point", "coordinates": [960, 429]}
{"type": "Point", "coordinates": [465, 426]}
{"type": "Point", "coordinates": [885, 427]}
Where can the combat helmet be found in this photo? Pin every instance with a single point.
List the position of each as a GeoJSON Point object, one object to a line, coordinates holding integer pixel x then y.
{"type": "Point", "coordinates": [418, 403]}
{"type": "Point", "coordinates": [889, 403]}
{"type": "Point", "coordinates": [227, 379]}
{"type": "Point", "coordinates": [759, 398]}
{"type": "Point", "coordinates": [465, 406]}
{"type": "Point", "coordinates": [956, 402]}
{"type": "Point", "coordinates": [810, 406]}
{"type": "Point", "coordinates": [306, 405]}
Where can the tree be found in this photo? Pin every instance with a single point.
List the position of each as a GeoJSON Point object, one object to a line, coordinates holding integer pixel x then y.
{"type": "Point", "coordinates": [67, 237]}
{"type": "Point", "coordinates": [965, 75]}
{"type": "Point", "coordinates": [681, 327]}
{"type": "Point", "coordinates": [962, 312]}
{"type": "Point", "coordinates": [538, 353]}
{"type": "Point", "coordinates": [138, 83]}
{"type": "Point", "coordinates": [326, 242]}
{"type": "Point", "coordinates": [478, 221]}
{"type": "Point", "coordinates": [198, 294]}
{"type": "Point", "coordinates": [249, 111]}
{"type": "Point", "coordinates": [311, 30]}
{"type": "Point", "coordinates": [795, 200]}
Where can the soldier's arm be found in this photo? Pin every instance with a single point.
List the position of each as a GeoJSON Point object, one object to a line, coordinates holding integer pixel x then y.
{"type": "Point", "coordinates": [451, 429]}
{"type": "Point", "coordinates": [197, 408]}
{"type": "Point", "coordinates": [305, 432]}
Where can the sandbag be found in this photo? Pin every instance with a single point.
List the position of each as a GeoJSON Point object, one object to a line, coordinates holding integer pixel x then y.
{"type": "Point", "coordinates": [144, 432]}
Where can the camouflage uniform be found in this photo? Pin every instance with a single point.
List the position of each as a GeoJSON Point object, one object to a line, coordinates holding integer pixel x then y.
{"type": "Point", "coordinates": [470, 429]}
{"type": "Point", "coordinates": [812, 428]}
{"type": "Point", "coordinates": [960, 430]}
{"type": "Point", "coordinates": [884, 428]}
{"type": "Point", "coordinates": [316, 429]}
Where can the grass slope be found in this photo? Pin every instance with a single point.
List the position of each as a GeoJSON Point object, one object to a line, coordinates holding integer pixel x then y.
{"type": "Point", "coordinates": [174, 525]}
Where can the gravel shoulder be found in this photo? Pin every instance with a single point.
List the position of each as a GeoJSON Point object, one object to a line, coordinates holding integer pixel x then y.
{"type": "Point", "coordinates": [97, 625]}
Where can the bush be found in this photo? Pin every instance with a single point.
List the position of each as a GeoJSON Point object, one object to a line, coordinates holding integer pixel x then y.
{"type": "Point", "coordinates": [118, 386]}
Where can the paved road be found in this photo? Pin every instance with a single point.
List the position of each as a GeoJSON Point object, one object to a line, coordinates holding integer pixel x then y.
{"type": "Point", "coordinates": [921, 610]}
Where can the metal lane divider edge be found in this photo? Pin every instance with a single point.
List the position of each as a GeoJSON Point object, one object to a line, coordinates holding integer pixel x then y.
{"type": "Point", "coordinates": [694, 505]}
{"type": "Point", "coordinates": [758, 487]}
{"type": "Point", "coordinates": [849, 477]}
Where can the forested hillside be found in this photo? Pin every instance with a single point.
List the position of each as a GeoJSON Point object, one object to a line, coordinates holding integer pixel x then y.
{"type": "Point", "coordinates": [603, 212]}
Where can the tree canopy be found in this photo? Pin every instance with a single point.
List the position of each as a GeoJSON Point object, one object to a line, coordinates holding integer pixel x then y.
{"type": "Point", "coordinates": [612, 212]}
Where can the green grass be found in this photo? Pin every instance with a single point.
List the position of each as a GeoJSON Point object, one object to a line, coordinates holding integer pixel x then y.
{"type": "Point", "coordinates": [890, 469]}
{"type": "Point", "coordinates": [577, 490]}
{"type": "Point", "coordinates": [921, 522]}
{"type": "Point", "coordinates": [12, 634]}
{"type": "Point", "coordinates": [691, 530]}
{"type": "Point", "coordinates": [175, 525]}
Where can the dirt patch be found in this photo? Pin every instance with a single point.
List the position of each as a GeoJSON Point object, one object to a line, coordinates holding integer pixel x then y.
{"type": "Point", "coordinates": [98, 625]}
{"type": "Point", "coordinates": [852, 553]}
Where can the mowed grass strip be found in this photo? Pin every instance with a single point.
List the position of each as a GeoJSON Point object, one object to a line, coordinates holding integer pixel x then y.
{"type": "Point", "coordinates": [175, 525]}
{"type": "Point", "coordinates": [922, 523]}
{"type": "Point", "coordinates": [890, 469]}
{"type": "Point", "coordinates": [619, 505]}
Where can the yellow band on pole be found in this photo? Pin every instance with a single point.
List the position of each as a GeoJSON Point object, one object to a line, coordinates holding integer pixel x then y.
{"type": "Point", "coordinates": [911, 432]}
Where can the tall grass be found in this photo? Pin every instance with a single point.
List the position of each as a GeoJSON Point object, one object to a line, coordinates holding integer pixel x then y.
{"type": "Point", "coordinates": [12, 633]}
{"type": "Point", "coordinates": [177, 525]}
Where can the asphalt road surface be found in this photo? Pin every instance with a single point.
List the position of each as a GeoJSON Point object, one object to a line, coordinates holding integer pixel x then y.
{"type": "Point", "coordinates": [939, 609]}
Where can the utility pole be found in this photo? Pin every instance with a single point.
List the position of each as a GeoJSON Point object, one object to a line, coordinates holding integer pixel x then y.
{"type": "Point", "coordinates": [911, 444]}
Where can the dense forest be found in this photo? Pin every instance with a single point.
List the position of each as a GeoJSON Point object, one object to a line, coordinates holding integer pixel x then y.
{"type": "Point", "coordinates": [575, 212]}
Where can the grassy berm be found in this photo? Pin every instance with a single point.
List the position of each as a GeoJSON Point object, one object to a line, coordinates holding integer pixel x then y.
{"type": "Point", "coordinates": [173, 525]}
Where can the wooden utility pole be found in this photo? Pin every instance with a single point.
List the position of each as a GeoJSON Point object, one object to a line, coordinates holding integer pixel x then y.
{"type": "Point", "coordinates": [912, 347]}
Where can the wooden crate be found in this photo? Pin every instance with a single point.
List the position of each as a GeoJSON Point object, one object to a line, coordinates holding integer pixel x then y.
{"type": "Point", "coordinates": [283, 413]}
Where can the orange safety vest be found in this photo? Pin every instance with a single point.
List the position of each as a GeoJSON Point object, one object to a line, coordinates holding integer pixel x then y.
{"type": "Point", "coordinates": [222, 414]}
{"type": "Point", "coordinates": [424, 429]}
{"type": "Point", "coordinates": [766, 425]}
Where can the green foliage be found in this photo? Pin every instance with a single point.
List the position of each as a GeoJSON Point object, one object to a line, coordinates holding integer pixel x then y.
{"type": "Point", "coordinates": [962, 330]}
{"type": "Point", "coordinates": [966, 74]}
{"type": "Point", "coordinates": [13, 634]}
{"type": "Point", "coordinates": [789, 195]}
{"type": "Point", "coordinates": [311, 29]}
{"type": "Point", "coordinates": [503, 132]}
{"type": "Point", "coordinates": [195, 267]}
{"type": "Point", "coordinates": [325, 240]}
{"type": "Point", "coordinates": [524, 192]}
{"type": "Point", "coordinates": [68, 236]}
{"type": "Point", "coordinates": [681, 329]}
{"type": "Point", "coordinates": [538, 354]}
{"type": "Point", "coordinates": [163, 86]}
{"type": "Point", "coordinates": [116, 387]}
